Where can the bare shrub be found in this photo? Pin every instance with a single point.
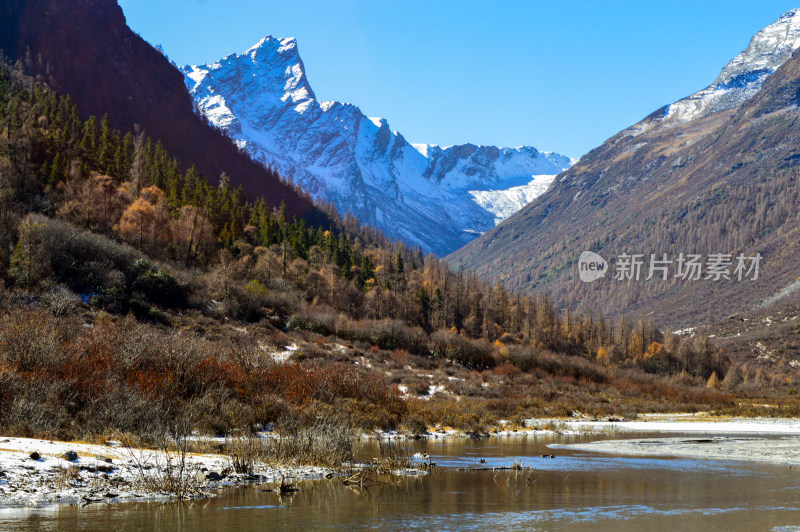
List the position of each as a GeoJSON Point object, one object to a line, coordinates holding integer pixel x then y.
{"type": "Point", "coordinates": [128, 412]}
{"type": "Point", "coordinates": [682, 379]}
{"type": "Point", "coordinates": [416, 425]}
{"type": "Point", "coordinates": [282, 304]}
{"type": "Point", "coordinates": [244, 453]}
{"type": "Point", "coordinates": [314, 351]}
{"type": "Point", "coordinates": [5, 297]}
{"type": "Point", "coordinates": [733, 379]}
{"type": "Point", "coordinates": [318, 321]}
{"type": "Point", "coordinates": [530, 359]}
{"type": "Point", "coordinates": [37, 409]}
{"type": "Point", "coordinates": [418, 385]}
{"type": "Point", "coordinates": [166, 470]}
{"type": "Point", "coordinates": [523, 357]}
{"type": "Point", "coordinates": [279, 339]}
{"type": "Point", "coordinates": [61, 301]}
{"type": "Point", "coordinates": [69, 477]}
{"type": "Point", "coordinates": [393, 455]}
{"type": "Point", "coordinates": [386, 334]}
{"type": "Point", "coordinates": [28, 339]}
{"type": "Point", "coordinates": [463, 350]}
{"type": "Point", "coordinates": [398, 359]}
{"type": "Point", "coordinates": [325, 439]}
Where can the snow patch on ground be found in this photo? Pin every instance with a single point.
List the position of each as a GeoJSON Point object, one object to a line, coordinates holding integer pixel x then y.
{"type": "Point", "coordinates": [103, 473]}
{"type": "Point", "coordinates": [435, 388]}
{"type": "Point", "coordinates": [687, 423]}
{"type": "Point", "coordinates": [781, 451]}
{"type": "Point", "coordinates": [280, 356]}
{"type": "Point", "coordinates": [689, 331]}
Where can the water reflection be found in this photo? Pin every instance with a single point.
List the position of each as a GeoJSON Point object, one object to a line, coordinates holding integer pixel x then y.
{"type": "Point", "coordinates": [574, 490]}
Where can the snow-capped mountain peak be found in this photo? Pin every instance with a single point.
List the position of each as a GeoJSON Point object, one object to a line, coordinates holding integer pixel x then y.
{"type": "Point", "coordinates": [279, 58]}
{"type": "Point", "coordinates": [744, 75]}
{"type": "Point", "coordinates": [428, 196]}
{"type": "Point", "coordinates": [767, 50]}
{"type": "Point", "coordinates": [272, 67]}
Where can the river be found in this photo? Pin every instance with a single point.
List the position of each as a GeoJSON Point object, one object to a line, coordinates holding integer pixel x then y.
{"type": "Point", "coordinates": [573, 491]}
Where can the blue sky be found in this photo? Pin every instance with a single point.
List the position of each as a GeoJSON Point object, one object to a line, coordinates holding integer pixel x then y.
{"type": "Point", "coordinates": [561, 76]}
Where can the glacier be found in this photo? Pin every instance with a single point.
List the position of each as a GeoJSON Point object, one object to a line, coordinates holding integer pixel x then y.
{"type": "Point", "coordinates": [437, 198]}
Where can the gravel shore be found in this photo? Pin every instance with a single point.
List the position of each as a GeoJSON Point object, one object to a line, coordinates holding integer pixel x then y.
{"type": "Point", "coordinates": [37, 472]}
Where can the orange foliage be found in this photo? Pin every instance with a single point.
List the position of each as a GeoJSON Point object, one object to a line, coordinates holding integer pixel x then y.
{"type": "Point", "coordinates": [654, 350]}
{"type": "Point", "coordinates": [146, 222]}
{"type": "Point", "coordinates": [506, 369]}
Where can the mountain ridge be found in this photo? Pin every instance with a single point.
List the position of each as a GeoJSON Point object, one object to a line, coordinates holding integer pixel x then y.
{"type": "Point", "coordinates": [742, 77]}
{"type": "Point", "coordinates": [419, 193]}
{"type": "Point", "coordinates": [721, 182]}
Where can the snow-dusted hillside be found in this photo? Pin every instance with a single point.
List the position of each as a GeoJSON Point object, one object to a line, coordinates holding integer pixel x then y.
{"type": "Point", "coordinates": [744, 75]}
{"type": "Point", "coordinates": [428, 196]}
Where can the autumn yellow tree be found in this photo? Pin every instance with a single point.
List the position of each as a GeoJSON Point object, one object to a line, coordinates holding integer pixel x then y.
{"type": "Point", "coordinates": [602, 355]}
{"type": "Point", "coordinates": [146, 221]}
{"type": "Point", "coordinates": [138, 222]}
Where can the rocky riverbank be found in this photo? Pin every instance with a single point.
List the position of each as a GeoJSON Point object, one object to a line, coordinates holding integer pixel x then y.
{"type": "Point", "coordinates": [37, 472]}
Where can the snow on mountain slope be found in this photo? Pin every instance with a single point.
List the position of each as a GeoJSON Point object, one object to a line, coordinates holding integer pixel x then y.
{"type": "Point", "coordinates": [744, 75]}
{"type": "Point", "coordinates": [428, 196]}
{"type": "Point", "coordinates": [505, 202]}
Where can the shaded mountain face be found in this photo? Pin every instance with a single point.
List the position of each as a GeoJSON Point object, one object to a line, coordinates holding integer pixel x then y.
{"type": "Point", "coordinates": [715, 173]}
{"type": "Point", "coordinates": [85, 49]}
{"type": "Point", "coordinates": [428, 196]}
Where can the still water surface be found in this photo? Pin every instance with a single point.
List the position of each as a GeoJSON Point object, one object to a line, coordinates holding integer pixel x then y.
{"type": "Point", "coordinates": [573, 491]}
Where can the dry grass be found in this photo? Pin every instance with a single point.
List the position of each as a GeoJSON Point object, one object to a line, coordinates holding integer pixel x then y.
{"type": "Point", "coordinates": [245, 453]}
{"type": "Point", "coordinates": [166, 470]}
{"type": "Point", "coordinates": [69, 477]}
{"type": "Point", "coordinates": [328, 439]}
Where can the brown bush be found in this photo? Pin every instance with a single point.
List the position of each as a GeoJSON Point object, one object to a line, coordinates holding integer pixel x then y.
{"type": "Point", "coordinates": [417, 385]}
{"type": "Point", "coordinates": [29, 340]}
{"type": "Point", "coordinates": [458, 348]}
{"type": "Point", "coordinates": [386, 334]}
{"type": "Point", "coordinates": [320, 321]}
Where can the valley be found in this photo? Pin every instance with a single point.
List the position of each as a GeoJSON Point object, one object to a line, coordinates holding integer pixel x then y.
{"type": "Point", "coordinates": [257, 300]}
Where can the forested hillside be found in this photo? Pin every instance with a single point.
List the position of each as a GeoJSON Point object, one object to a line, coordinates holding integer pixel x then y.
{"type": "Point", "coordinates": [250, 316]}
{"type": "Point", "coordinates": [85, 49]}
{"type": "Point", "coordinates": [723, 183]}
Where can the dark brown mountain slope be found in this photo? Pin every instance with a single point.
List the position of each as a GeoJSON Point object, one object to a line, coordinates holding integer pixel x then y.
{"type": "Point", "coordinates": [84, 48]}
{"type": "Point", "coordinates": [726, 183]}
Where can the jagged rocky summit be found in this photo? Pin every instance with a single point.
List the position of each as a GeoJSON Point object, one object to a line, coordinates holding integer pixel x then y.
{"type": "Point", "coordinates": [425, 195]}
